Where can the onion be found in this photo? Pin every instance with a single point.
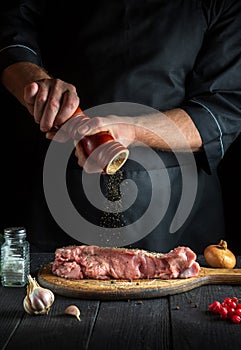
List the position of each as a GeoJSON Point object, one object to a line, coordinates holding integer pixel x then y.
{"type": "Point", "coordinates": [218, 255]}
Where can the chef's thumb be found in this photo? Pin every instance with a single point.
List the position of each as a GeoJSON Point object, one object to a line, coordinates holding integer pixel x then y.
{"type": "Point", "coordinates": [29, 95]}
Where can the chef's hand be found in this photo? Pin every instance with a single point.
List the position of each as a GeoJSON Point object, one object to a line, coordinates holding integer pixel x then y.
{"type": "Point", "coordinates": [51, 102]}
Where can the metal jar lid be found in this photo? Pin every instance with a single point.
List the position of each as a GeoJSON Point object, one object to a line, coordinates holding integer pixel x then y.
{"type": "Point", "coordinates": [17, 232]}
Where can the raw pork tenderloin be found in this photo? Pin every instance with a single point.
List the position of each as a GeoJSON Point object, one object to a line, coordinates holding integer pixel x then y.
{"type": "Point", "coordinates": [78, 262]}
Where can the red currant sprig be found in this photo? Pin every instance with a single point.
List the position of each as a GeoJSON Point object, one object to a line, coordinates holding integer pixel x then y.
{"type": "Point", "coordinates": [229, 308]}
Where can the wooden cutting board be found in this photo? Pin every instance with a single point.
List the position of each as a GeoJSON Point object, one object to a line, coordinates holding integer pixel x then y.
{"type": "Point", "coordinates": [137, 289]}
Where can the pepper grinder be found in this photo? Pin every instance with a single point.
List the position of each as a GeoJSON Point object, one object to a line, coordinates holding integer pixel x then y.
{"type": "Point", "coordinates": [108, 153]}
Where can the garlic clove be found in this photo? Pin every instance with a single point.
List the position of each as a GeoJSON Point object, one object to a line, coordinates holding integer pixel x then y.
{"type": "Point", "coordinates": [38, 300]}
{"type": "Point", "coordinates": [73, 311]}
{"type": "Point", "coordinates": [27, 305]}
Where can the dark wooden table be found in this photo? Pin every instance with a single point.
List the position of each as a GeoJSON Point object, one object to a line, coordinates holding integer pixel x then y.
{"type": "Point", "coordinates": [177, 322]}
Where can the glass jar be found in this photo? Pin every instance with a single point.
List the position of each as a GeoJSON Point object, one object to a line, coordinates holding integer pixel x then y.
{"type": "Point", "coordinates": [15, 257]}
{"type": "Point", "coordinates": [1, 242]}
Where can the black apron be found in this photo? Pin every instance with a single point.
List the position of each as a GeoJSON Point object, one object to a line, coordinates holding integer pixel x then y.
{"type": "Point", "coordinates": [153, 219]}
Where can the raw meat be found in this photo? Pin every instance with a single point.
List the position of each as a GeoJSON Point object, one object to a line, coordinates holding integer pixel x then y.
{"type": "Point", "coordinates": [78, 262]}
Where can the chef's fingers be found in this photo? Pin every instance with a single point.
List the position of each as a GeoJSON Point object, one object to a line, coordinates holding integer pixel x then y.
{"type": "Point", "coordinates": [36, 95]}
{"type": "Point", "coordinates": [40, 103]}
{"type": "Point", "coordinates": [61, 104]}
{"type": "Point", "coordinates": [51, 101]}
{"type": "Point", "coordinates": [58, 135]}
{"type": "Point", "coordinates": [91, 167]}
{"type": "Point", "coordinates": [93, 126]}
{"type": "Point", "coordinates": [121, 128]}
{"type": "Point", "coordinates": [87, 163]}
{"type": "Point", "coordinates": [69, 104]}
{"type": "Point", "coordinates": [80, 153]}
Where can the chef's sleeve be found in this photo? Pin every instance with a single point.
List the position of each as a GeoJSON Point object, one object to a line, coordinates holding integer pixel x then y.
{"type": "Point", "coordinates": [213, 98]}
{"type": "Point", "coordinates": [19, 21]}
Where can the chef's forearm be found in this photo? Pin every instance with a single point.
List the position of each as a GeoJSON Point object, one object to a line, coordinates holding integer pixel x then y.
{"type": "Point", "coordinates": [170, 130]}
{"type": "Point", "coordinates": [16, 76]}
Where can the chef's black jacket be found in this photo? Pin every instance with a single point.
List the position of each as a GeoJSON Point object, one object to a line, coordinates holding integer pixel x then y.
{"type": "Point", "coordinates": [159, 53]}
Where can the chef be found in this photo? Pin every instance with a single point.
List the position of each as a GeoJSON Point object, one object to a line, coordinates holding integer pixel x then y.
{"type": "Point", "coordinates": [163, 78]}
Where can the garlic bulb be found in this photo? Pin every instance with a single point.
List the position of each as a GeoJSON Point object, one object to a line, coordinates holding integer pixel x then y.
{"type": "Point", "coordinates": [38, 300]}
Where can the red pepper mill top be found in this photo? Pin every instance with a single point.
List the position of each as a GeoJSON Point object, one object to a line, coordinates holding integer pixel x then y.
{"type": "Point", "coordinates": [108, 153]}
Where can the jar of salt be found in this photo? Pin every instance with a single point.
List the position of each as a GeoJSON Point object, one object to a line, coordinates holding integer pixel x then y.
{"type": "Point", "coordinates": [15, 257]}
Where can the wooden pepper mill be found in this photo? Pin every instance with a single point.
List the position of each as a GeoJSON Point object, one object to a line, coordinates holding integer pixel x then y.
{"type": "Point", "coordinates": [108, 153]}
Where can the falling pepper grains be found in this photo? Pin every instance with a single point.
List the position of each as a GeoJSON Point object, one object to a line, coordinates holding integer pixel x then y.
{"type": "Point", "coordinates": [113, 217]}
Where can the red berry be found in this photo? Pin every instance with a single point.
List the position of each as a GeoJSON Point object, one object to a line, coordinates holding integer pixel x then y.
{"type": "Point", "coordinates": [215, 307]}
{"type": "Point", "coordinates": [238, 312]}
{"type": "Point", "coordinates": [235, 319]}
{"type": "Point", "coordinates": [226, 300]}
{"type": "Point", "coordinates": [231, 312]}
{"type": "Point", "coordinates": [229, 308]}
{"type": "Point", "coordinates": [223, 313]}
{"type": "Point", "coordinates": [232, 304]}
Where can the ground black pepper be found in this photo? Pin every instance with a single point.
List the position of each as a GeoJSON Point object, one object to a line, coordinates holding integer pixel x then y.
{"type": "Point", "coordinates": [113, 217]}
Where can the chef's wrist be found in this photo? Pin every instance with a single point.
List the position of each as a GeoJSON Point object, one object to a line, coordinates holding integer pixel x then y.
{"type": "Point", "coordinates": [16, 76]}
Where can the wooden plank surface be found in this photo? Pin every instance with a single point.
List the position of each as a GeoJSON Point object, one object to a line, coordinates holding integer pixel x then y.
{"type": "Point", "coordinates": [56, 330]}
{"type": "Point", "coordinates": [132, 325]}
{"type": "Point", "coordinates": [11, 312]}
{"type": "Point", "coordinates": [176, 322]}
{"type": "Point", "coordinates": [194, 327]}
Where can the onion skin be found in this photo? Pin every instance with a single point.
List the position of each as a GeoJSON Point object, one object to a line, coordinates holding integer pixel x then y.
{"type": "Point", "coordinates": [218, 255]}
